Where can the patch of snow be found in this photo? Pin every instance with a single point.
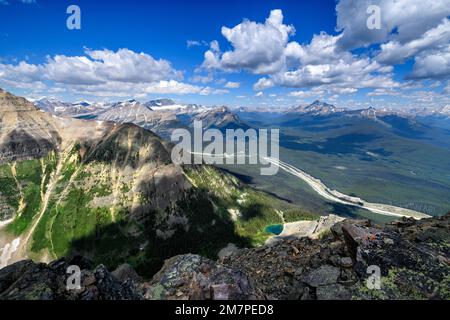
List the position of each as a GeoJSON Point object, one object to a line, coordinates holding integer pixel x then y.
{"type": "Point", "coordinates": [5, 222]}
{"type": "Point", "coordinates": [235, 214]}
{"type": "Point", "coordinates": [7, 252]}
{"type": "Point", "coordinates": [372, 154]}
{"type": "Point", "coordinates": [170, 107]}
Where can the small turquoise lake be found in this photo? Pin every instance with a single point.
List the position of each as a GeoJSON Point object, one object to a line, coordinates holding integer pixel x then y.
{"type": "Point", "coordinates": [275, 229]}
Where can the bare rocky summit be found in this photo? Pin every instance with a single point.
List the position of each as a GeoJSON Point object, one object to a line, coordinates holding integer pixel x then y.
{"type": "Point", "coordinates": [413, 257]}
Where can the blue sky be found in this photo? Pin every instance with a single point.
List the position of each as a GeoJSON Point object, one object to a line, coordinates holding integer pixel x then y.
{"type": "Point", "coordinates": [272, 53]}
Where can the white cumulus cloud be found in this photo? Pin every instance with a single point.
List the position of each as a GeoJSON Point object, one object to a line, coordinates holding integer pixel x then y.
{"type": "Point", "coordinates": [232, 85]}
{"type": "Point", "coordinates": [394, 52]}
{"type": "Point", "coordinates": [401, 20]}
{"type": "Point", "coordinates": [257, 47]}
{"type": "Point", "coordinates": [102, 73]}
{"type": "Point", "coordinates": [264, 48]}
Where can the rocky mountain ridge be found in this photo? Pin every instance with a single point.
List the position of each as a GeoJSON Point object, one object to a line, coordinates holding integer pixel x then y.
{"type": "Point", "coordinates": [161, 116]}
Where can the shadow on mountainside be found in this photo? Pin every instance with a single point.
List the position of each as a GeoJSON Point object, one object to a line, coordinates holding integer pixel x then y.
{"type": "Point", "coordinates": [122, 146]}
{"type": "Point", "coordinates": [20, 145]}
{"type": "Point", "coordinates": [345, 211]}
{"type": "Point", "coordinates": [146, 239]}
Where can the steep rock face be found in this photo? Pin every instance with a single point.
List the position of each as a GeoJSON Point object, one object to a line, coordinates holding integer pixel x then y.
{"type": "Point", "coordinates": [25, 132]}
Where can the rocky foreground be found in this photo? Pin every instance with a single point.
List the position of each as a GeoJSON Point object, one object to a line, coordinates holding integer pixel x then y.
{"type": "Point", "coordinates": [413, 257]}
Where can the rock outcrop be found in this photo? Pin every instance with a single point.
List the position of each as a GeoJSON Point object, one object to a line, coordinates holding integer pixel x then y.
{"type": "Point", "coordinates": [195, 278]}
{"type": "Point", "coordinates": [26, 280]}
{"type": "Point", "coordinates": [412, 256]}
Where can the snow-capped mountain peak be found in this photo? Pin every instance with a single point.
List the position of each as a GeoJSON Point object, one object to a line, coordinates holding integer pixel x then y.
{"type": "Point", "coordinates": [445, 110]}
{"type": "Point", "coordinates": [317, 108]}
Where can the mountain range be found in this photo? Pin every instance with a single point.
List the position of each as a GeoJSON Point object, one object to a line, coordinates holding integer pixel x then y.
{"type": "Point", "coordinates": [139, 113]}
{"type": "Point", "coordinates": [318, 108]}
{"type": "Point", "coordinates": [340, 146]}
{"type": "Point", "coordinates": [161, 116]}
